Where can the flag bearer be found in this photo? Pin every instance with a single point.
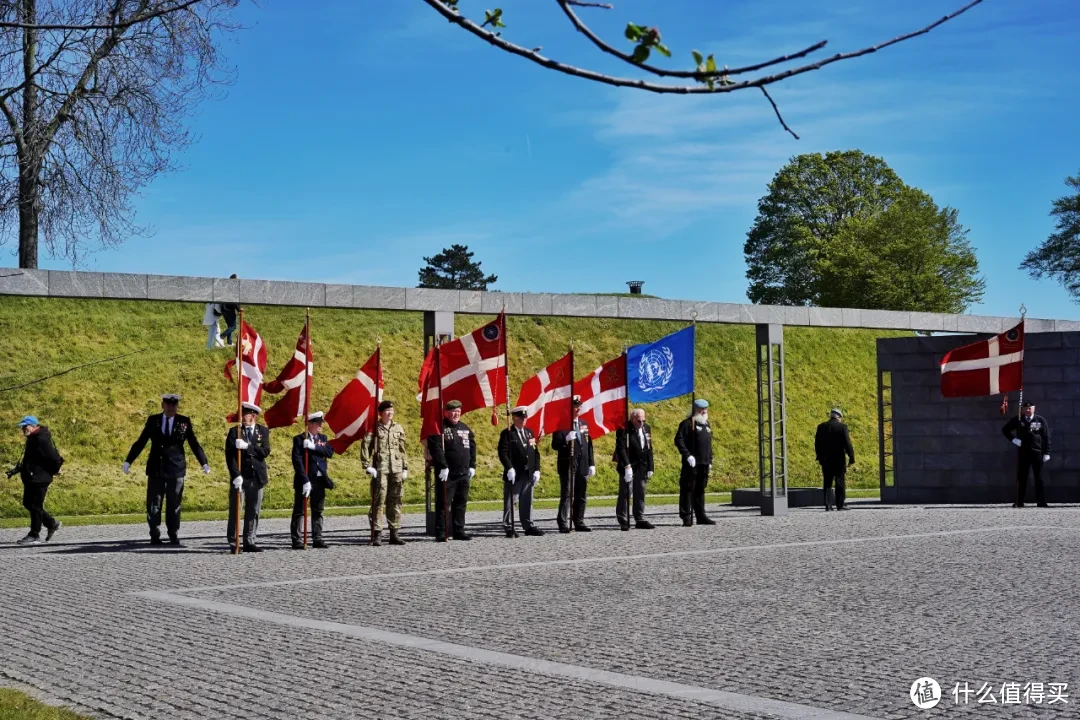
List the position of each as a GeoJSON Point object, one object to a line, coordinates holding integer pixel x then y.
{"type": "Point", "coordinates": [1031, 435]}
{"type": "Point", "coordinates": [634, 463]}
{"type": "Point", "coordinates": [383, 454]}
{"type": "Point", "coordinates": [694, 442]}
{"type": "Point", "coordinates": [453, 457]}
{"type": "Point", "coordinates": [575, 449]}
{"type": "Point", "coordinates": [250, 475]}
{"type": "Point", "coordinates": [520, 458]}
{"type": "Point", "coordinates": [310, 451]}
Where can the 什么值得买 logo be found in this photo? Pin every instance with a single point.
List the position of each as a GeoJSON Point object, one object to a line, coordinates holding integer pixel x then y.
{"type": "Point", "coordinates": [655, 369]}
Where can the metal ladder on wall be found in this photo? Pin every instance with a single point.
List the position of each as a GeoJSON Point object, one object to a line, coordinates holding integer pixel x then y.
{"type": "Point", "coordinates": [772, 420]}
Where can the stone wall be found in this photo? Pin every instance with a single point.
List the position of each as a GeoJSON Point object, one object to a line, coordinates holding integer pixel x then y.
{"type": "Point", "coordinates": [951, 450]}
{"type": "Point", "coordinates": [58, 283]}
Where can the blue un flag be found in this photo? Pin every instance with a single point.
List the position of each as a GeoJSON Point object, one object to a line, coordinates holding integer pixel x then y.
{"type": "Point", "coordinates": [663, 369]}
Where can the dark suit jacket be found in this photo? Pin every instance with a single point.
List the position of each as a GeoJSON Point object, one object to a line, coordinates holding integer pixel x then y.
{"type": "Point", "coordinates": [253, 460]}
{"type": "Point", "coordinates": [40, 459]}
{"type": "Point", "coordinates": [636, 456]}
{"type": "Point", "coordinates": [167, 459]}
{"type": "Point", "coordinates": [583, 451]}
{"type": "Point", "coordinates": [832, 444]}
{"type": "Point", "coordinates": [523, 457]}
{"type": "Point", "coordinates": [316, 471]}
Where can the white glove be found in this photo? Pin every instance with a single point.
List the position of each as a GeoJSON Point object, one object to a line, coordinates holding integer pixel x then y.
{"type": "Point", "coordinates": [372, 472]}
{"type": "Point", "coordinates": [472, 472]}
{"type": "Point", "coordinates": [306, 490]}
{"type": "Point", "coordinates": [1046, 458]}
{"type": "Point", "coordinates": [691, 461]}
{"type": "Point", "coordinates": [309, 444]}
{"type": "Point", "coordinates": [1017, 442]}
{"type": "Point", "coordinates": [710, 468]}
{"type": "Point", "coordinates": [206, 469]}
{"type": "Point", "coordinates": [592, 471]}
{"type": "Point", "coordinates": [237, 482]}
{"type": "Point", "coordinates": [511, 475]}
{"type": "Point", "coordinates": [126, 468]}
{"type": "Point", "coordinates": [648, 475]}
{"type": "Point", "coordinates": [404, 474]}
{"type": "Point", "coordinates": [536, 476]}
{"type": "Point", "coordinates": [628, 474]}
{"type": "Point", "coordinates": [571, 436]}
{"type": "Point", "coordinates": [241, 444]}
{"type": "Point", "coordinates": [444, 474]}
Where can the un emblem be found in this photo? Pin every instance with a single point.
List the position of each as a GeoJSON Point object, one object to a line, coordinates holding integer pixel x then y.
{"type": "Point", "coordinates": [655, 369]}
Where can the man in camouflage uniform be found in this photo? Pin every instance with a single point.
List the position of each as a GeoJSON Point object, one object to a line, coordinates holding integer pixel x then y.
{"type": "Point", "coordinates": [382, 452]}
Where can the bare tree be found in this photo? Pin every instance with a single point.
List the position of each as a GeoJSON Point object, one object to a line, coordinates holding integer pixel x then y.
{"type": "Point", "coordinates": [707, 76]}
{"type": "Point", "coordinates": [95, 95]}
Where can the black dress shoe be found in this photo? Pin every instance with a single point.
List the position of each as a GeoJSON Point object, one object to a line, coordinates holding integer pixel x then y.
{"type": "Point", "coordinates": [320, 544]}
{"type": "Point", "coordinates": [534, 531]}
{"type": "Point", "coordinates": [440, 538]}
{"type": "Point", "coordinates": [156, 541]}
{"type": "Point", "coordinates": [705, 521]}
{"type": "Point", "coordinates": [624, 528]}
{"type": "Point", "coordinates": [563, 529]}
{"type": "Point", "coordinates": [251, 548]}
{"type": "Point", "coordinates": [298, 546]}
{"type": "Point", "coordinates": [233, 550]}
{"type": "Point", "coordinates": [511, 534]}
{"type": "Point", "coordinates": [582, 527]}
{"type": "Point", "coordinates": [463, 536]}
{"type": "Point", "coordinates": [173, 540]}
{"type": "Point", "coordinates": [644, 525]}
{"type": "Point", "coordinates": [688, 523]}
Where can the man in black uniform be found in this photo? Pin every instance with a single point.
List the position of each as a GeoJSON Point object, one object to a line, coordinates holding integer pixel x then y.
{"type": "Point", "coordinates": [166, 467]}
{"type": "Point", "coordinates": [310, 451]}
{"type": "Point", "coordinates": [249, 475]}
{"type": "Point", "coordinates": [694, 442]}
{"type": "Point", "coordinates": [832, 445]}
{"type": "Point", "coordinates": [453, 457]}
{"type": "Point", "coordinates": [634, 463]}
{"type": "Point", "coordinates": [1031, 435]}
{"type": "Point", "coordinates": [575, 448]}
{"type": "Point", "coordinates": [40, 462]}
{"type": "Point", "coordinates": [520, 458]}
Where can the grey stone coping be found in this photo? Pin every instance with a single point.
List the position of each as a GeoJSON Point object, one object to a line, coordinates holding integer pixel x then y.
{"type": "Point", "coordinates": [59, 283]}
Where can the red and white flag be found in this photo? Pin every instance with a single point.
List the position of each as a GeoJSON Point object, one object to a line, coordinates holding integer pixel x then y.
{"type": "Point", "coordinates": [354, 411]}
{"type": "Point", "coordinates": [252, 367]}
{"type": "Point", "coordinates": [295, 381]}
{"type": "Point", "coordinates": [987, 367]}
{"type": "Point", "coordinates": [603, 397]}
{"type": "Point", "coordinates": [471, 369]}
{"type": "Point", "coordinates": [547, 396]}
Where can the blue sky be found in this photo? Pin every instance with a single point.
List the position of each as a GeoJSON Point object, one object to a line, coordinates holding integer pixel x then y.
{"type": "Point", "coordinates": [360, 137]}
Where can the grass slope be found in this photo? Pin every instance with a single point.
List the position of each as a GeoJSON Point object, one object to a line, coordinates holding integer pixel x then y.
{"type": "Point", "coordinates": [97, 412]}
{"type": "Point", "coordinates": [15, 705]}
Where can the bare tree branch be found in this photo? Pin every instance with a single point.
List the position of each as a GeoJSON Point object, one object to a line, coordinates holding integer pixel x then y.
{"type": "Point", "coordinates": [110, 26]}
{"type": "Point", "coordinates": [777, 111]}
{"type": "Point", "coordinates": [582, 3]}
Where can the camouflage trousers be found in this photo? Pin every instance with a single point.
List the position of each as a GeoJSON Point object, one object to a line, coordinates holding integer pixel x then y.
{"type": "Point", "coordinates": [386, 490]}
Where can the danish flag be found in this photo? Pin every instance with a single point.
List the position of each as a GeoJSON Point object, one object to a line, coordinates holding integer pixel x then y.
{"type": "Point", "coordinates": [603, 397]}
{"type": "Point", "coordinates": [252, 366]}
{"type": "Point", "coordinates": [295, 382]}
{"type": "Point", "coordinates": [547, 397]}
{"type": "Point", "coordinates": [471, 369]}
{"type": "Point", "coordinates": [354, 411]}
{"type": "Point", "coordinates": [987, 367]}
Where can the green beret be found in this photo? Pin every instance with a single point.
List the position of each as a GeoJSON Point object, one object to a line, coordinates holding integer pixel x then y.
{"type": "Point", "coordinates": [453, 405]}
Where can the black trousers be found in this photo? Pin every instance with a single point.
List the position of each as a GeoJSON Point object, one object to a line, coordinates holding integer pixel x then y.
{"type": "Point", "coordinates": [581, 491]}
{"type": "Point", "coordinates": [692, 482]}
{"type": "Point", "coordinates": [171, 490]}
{"type": "Point", "coordinates": [33, 499]}
{"type": "Point", "coordinates": [316, 503]}
{"type": "Point", "coordinates": [837, 474]}
{"type": "Point", "coordinates": [1025, 461]}
{"type": "Point", "coordinates": [457, 494]}
{"type": "Point", "coordinates": [638, 483]}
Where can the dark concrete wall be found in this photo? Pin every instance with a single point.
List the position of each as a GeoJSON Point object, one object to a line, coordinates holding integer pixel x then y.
{"type": "Point", "coordinates": [952, 450]}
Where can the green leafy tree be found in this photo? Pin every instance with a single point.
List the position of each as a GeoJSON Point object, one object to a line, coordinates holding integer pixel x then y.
{"type": "Point", "coordinates": [454, 269]}
{"type": "Point", "coordinates": [843, 230]}
{"type": "Point", "coordinates": [1058, 257]}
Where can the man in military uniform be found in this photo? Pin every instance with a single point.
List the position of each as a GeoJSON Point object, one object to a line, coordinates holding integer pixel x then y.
{"type": "Point", "coordinates": [694, 442]}
{"type": "Point", "coordinates": [575, 449]}
{"type": "Point", "coordinates": [634, 463]}
{"type": "Point", "coordinates": [1031, 435]}
{"type": "Point", "coordinates": [310, 451]}
{"type": "Point", "coordinates": [166, 467]}
{"type": "Point", "coordinates": [453, 457]}
{"type": "Point", "coordinates": [383, 454]}
{"type": "Point", "coordinates": [249, 476]}
{"type": "Point", "coordinates": [520, 458]}
{"type": "Point", "coordinates": [832, 444]}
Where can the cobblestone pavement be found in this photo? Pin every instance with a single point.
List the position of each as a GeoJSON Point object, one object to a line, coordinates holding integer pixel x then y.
{"type": "Point", "coordinates": [813, 615]}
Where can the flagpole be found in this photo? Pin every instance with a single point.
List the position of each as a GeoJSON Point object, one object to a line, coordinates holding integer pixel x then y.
{"type": "Point", "coordinates": [509, 422]}
{"type": "Point", "coordinates": [693, 429]}
{"type": "Point", "coordinates": [570, 517]}
{"type": "Point", "coordinates": [239, 424]}
{"type": "Point", "coordinates": [442, 439]}
{"type": "Point", "coordinates": [1020, 413]}
{"type": "Point", "coordinates": [375, 399]}
{"type": "Point", "coordinates": [307, 406]}
{"type": "Point", "coordinates": [626, 432]}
